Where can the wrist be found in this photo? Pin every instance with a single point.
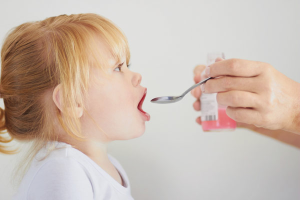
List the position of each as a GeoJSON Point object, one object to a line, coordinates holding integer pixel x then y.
{"type": "Point", "coordinates": [295, 122]}
{"type": "Point", "coordinates": [297, 118]}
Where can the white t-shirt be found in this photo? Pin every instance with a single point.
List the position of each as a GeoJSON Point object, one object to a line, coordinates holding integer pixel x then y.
{"type": "Point", "coordinates": [68, 174]}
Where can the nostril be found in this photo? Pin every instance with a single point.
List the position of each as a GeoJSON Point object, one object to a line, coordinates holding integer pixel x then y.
{"type": "Point", "coordinates": [137, 79]}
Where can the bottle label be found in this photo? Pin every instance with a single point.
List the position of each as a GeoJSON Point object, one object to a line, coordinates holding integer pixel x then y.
{"type": "Point", "coordinates": [209, 107]}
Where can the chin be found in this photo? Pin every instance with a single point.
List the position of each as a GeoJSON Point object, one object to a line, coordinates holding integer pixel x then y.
{"type": "Point", "coordinates": [138, 135]}
{"type": "Point", "coordinates": [135, 133]}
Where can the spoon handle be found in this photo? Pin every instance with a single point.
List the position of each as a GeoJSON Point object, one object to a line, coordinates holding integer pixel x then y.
{"type": "Point", "coordinates": [196, 85]}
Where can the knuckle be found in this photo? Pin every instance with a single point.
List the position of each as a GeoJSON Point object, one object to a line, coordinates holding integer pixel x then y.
{"type": "Point", "coordinates": [266, 119]}
{"type": "Point", "coordinates": [269, 99]}
{"type": "Point", "coordinates": [267, 69]}
{"type": "Point", "coordinates": [266, 88]}
{"type": "Point", "coordinates": [266, 66]}
{"type": "Point", "coordinates": [269, 102]}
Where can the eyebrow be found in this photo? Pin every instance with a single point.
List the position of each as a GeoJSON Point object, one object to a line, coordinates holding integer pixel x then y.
{"type": "Point", "coordinates": [121, 64]}
{"type": "Point", "coordinates": [118, 63]}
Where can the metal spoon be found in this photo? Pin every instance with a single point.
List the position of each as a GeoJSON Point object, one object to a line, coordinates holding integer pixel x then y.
{"type": "Point", "coordinates": [173, 99]}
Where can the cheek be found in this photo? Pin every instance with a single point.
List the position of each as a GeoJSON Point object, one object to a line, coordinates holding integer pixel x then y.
{"type": "Point", "coordinates": [114, 109]}
{"type": "Point", "coordinates": [115, 114]}
{"type": "Point", "coordinates": [122, 122]}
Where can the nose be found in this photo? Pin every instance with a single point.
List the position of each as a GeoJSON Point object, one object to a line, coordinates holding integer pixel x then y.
{"type": "Point", "coordinates": [136, 79]}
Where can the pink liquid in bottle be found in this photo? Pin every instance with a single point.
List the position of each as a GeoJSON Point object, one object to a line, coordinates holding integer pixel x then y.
{"type": "Point", "coordinates": [223, 123]}
{"type": "Point", "coordinates": [214, 117]}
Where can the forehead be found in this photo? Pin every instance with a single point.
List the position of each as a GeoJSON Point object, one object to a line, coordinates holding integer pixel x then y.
{"type": "Point", "coordinates": [105, 54]}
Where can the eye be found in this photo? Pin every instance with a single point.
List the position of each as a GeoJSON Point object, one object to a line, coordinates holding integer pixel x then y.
{"type": "Point", "coordinates": [118, 69]}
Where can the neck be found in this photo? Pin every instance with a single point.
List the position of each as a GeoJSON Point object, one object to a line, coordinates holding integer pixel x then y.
{"type": "Point", "coordinates": [95, 150]}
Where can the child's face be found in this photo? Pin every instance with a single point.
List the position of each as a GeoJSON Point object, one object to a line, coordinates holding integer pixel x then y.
{"type": "Point", "coordinates": [113, 101]}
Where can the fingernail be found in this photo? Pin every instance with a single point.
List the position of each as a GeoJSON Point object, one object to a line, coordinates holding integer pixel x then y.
{"type": "Point", "coordinates": [219, 59]}
{"type": "Point", "coordinates": [203, 76]}
{"type": "Point", "coordinates": [207, 71]}
{"type": "Point", "coordinates": [203, 88]}
{"type": "Point", "coordinates": [197, 71]}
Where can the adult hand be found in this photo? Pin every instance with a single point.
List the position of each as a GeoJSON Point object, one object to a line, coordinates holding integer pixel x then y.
{"type": "Point", "coordinates": [258, 96]}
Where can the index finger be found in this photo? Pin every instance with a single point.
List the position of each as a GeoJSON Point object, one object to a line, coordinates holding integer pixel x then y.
{"type": "Point", "coordinates": [236, 67]}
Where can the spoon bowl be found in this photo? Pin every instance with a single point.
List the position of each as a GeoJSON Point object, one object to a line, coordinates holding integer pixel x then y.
{"type": "Point", "coordinates": [166, 99]}
{"type": "Point", "coordinates": [173, 99]}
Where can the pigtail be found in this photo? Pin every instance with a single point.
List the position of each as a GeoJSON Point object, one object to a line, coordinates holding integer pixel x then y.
{"type": "Point", "coordinates": [4, 139]}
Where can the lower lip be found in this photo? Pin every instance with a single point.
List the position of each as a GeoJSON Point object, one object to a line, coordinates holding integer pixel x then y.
{"type": "Point", "coordinates": [145, 116]}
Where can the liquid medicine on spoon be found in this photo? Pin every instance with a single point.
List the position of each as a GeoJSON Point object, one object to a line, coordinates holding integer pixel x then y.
{"type": "Point", "coordinates": [213, 115]}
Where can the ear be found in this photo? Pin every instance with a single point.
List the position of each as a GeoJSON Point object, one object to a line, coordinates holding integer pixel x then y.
{"type": "Point", "coordinates": [56, 96]}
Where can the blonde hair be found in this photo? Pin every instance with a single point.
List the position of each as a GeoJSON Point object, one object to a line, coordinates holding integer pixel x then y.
{"type": "Point", "coordinates": [36, 57]}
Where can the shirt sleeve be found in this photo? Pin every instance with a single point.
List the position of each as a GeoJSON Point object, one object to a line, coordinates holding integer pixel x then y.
{"type": "Point", "coordinates": [61, 179]}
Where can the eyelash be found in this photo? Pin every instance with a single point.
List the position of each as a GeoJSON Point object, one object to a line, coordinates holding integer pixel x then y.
{"type": "Point", "coordinates": [120, 66]}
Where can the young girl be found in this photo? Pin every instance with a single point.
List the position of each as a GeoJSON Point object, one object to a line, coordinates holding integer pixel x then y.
{"type": "Point", "coordinates": [66, 86]}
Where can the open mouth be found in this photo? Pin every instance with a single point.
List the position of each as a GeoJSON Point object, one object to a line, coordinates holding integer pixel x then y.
{"type": "Point", "coordinates": [141, 104]}
{"type": "Point", "coordinates": [142, 101]}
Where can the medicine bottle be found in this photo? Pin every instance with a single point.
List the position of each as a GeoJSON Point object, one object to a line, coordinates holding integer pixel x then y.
{"type": "Point", "coordinates": [213, 115]}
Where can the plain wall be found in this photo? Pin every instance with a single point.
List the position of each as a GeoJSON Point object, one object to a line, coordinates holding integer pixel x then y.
{"type": "Point", "coordinates": [175, 159]}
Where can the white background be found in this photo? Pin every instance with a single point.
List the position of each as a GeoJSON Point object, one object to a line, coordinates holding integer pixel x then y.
{"type": "Point", "coordinates": [175, 159]}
